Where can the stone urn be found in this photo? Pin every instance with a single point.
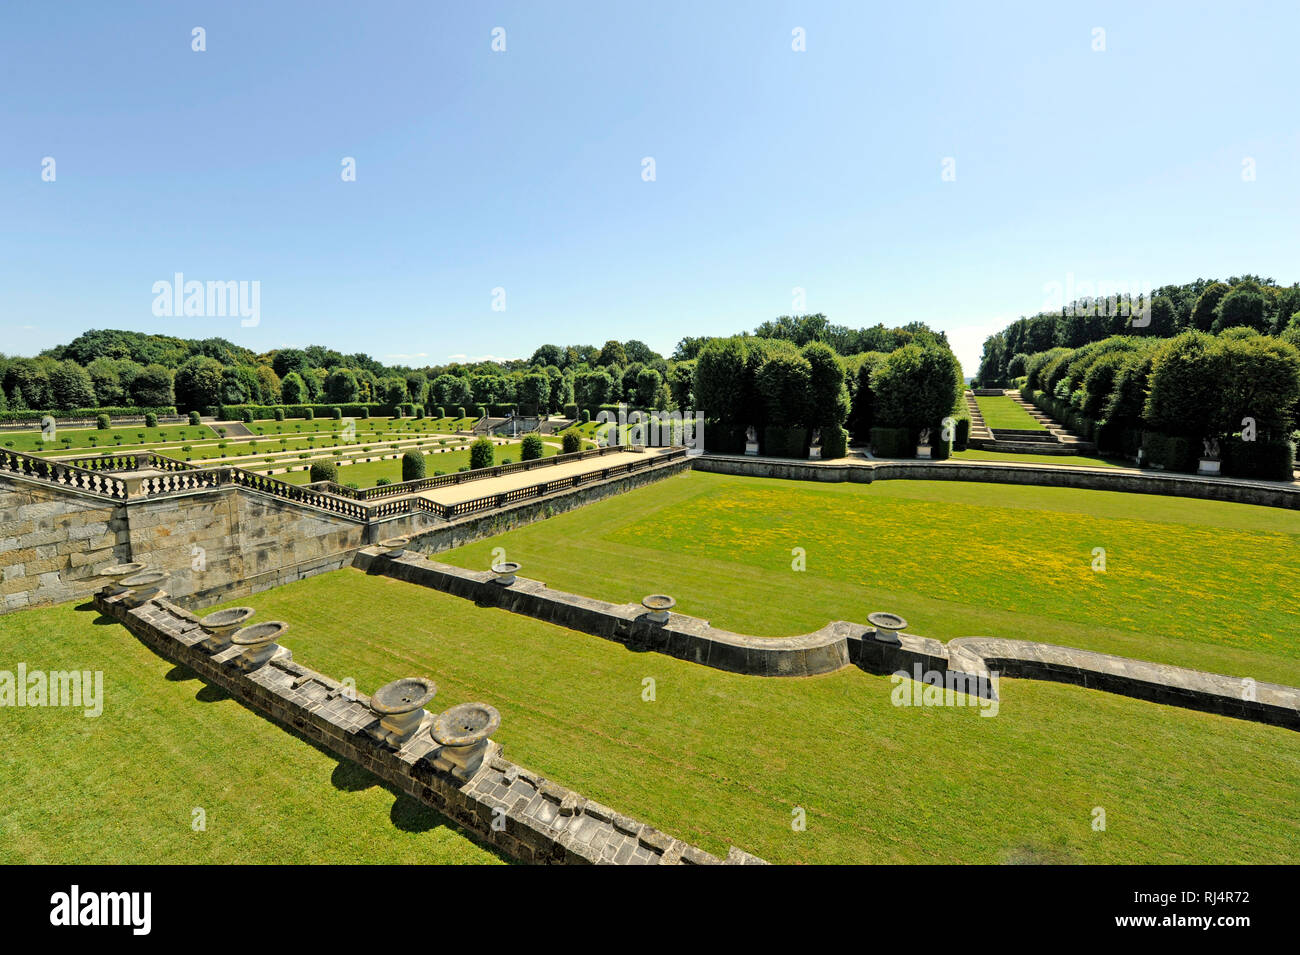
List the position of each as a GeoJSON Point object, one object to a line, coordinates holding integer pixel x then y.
{"type": "Point", "coordinates": [223, 625]}
{"type": "Point", "coordinates": [505, 572]}
{"type": "Point", "coordinates": [115, 573]}
{"type": "Point", "coordinates": [400, 708]}
{"type": "Point", "coordinates": [887, 626]}
{"type": "Point", "coordinates": [394, 547]}
{"type": "Point", "coordinates": [659, 605]}
{"type": "Point", "coordinates": [143, 586]}
{"type": "Point", "coordinates": [463, 732]}
{"type": "Point", "coordinates": [258, 642]}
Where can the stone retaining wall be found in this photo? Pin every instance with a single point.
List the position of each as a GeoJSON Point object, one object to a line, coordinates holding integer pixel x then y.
{"type": "Point", "coordinates": [524, 815]}
{"type": "Point", "coordinates": [52, 543]}
{"type": "Point", "coordinates": [1239, 491]}
{"type": "Point", "coordinates": [842, 643]}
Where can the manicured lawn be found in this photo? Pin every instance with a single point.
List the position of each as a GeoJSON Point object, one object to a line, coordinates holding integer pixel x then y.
{"type": "Point", "coordinates": [721, 759]}
{"type": "Point", "coordinates": [122, 787]}
{"type": "Point", "coordinates": [70, 441]}
{"type": "Point", "coordinates": [1195, 583]}
{"type": "Point", "coordinates": [1002, 412]}
{"type": "Point", "coordinates": [1075, 460]}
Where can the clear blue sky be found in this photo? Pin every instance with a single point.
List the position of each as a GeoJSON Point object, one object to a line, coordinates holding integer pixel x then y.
{"type": "Point", "coordinates": [775, 169]}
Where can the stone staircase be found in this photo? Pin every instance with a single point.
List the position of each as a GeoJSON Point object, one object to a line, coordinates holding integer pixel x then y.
{"type": "Point", "coordinates": [1056, 439]}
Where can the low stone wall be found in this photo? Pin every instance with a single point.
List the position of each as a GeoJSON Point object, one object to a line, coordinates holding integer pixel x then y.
{"type": "Point", "coordinates": [524, 815]}
{"type": "Point", "coordinates": [687, 638]}
{"type": "Point", "coordinates": [841, 643]}
{"type": "Point", "coordinates": [1239, 491]}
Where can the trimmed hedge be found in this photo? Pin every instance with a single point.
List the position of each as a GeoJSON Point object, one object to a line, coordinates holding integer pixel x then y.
{"type": "Point", "coordinates": [1170, 452]}
{"type": "Point", "coordinates": [962, 435]}
{"type": "Point", "coordinates": [835, 443]}
{"type": "Point", "coordinates": [531, 448]}
{"type": "Point", "coordinates": [783, 442]}
{"type": "Point", "coordinates": [413, 466]}
{"type": "Point", "coordinates": [1269, 460]}
{"type": "Point", "coordinates": [482, 454]}
{"type": "Point", "coordinates": [892, 443]}
{"type": "Point", "coordinates": [264, 412]}
{"type": "Point", "coordinates": [571, 412]}
{"type": "Point", "coordinates": [87, 413]}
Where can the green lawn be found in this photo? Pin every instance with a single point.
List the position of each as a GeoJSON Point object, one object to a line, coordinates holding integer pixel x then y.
{"type": "Point", "coordinates": [122, 787]}
{"type": "Point", "coordinates": [1002, 412]}
{"type": "Point", "coordinates": [367, 473]}
{"type": "Point", "coordinates": [719, 759]}
{"type": "Point", "coordinates": [955, 559]}
{"type": "Point", "coordinates": [1075, 460]}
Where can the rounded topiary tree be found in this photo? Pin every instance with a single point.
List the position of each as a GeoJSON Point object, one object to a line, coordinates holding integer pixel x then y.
{"type": "Point", "coordinates": [835, 442]}
{"type": "Point", "coordinates": [102, 422]}
{"type": "Point", "coordinates": [571, 441]}
{"type": "Point", "coordinates": [365, 412]}
{"type": "Point", "coordinates": [482, 454]}
{"type": "Point", "coordinates": [151, 419]}
{"type": "Point", "coordinates": [279, 414]}
{"type": "Point", "coordinates": [916, 387]}
{"type": "Point", "coordinates": [531, 448]}
{"type": "Point", "coordinates": [336, 414]}
{"type": "Point", "coordinates": [419, 412]}
{"type": "Point", "coordinates": [720, 393]}
{"type": "Point", "coordinates": [413, 466]}
{"type": "Point", "coordinates": [442, 412]}
{"type": "Point", "coordinates": [324, 471]}
{"type": "Point", "coordinates": [460, 412]}
{"type": "Point", "coordinates": [1186, 385]}
{"type": "Point", "coordinates": [784, 385]}
{"type": "Point", "coordinates": [309, 414]}
{"type": "Point", "coordinates": [194, 418]}
{"type": "Point", "coordinates": [586, 415]}
{"type": "Point", "coordinates": [246, 416]}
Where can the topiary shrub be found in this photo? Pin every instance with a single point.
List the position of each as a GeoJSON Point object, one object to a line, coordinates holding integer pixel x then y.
{"type": "Point", "coordinates": [531, 448]}
{"type": "Point", "coordinates": [412, 466]}
{"type": "Point", "coordinates": [940, 449]}
{"type": "Point", "coordinates": [419, 412]}
{"type": "Point", "coordinates": [482, 454]}
{"type": "Point", "coordinates": [383, 481]}
{"type": "Point", "coordinates": [365, 413]}
{"type": "Point", "coordinates": [1269, 460]}
{"type": "Point", "coordinates": [246, 416]}
{"type": "Point", "coordinates": [279, 414]}
{"type": "Point", "coordinates": [460, 412]}
{"type": "Point", "coordinates": [151, 419]}
{"type": "Point", "coordinates": [308, 414]}
{"type": "Point", "coordinates": [962, 434]}
{"type": "Point", "coordinates": [781, 441]}
{"type": "Point", "coordinates": [571, 412]}
{"type": "Point", "coordinates": [481, 411]}
{"type": "Point", "coordinates": [892, 443]}
{"type": "Point", "coordinates": [571, 441]}
{"type": "Point", "coordinates": [586, 415]}
{"type": "Point", "coordinates": [324, 471]}
{"type": "Point", "coordinates": [1169, 452]}
{"type": "Point", "coordinates": [336, 414]}
{"type": "Point", "coordinates": [194, 418]}
{"type": "Point", "coordinates": [442, 412]}
{"type": "Point", "coordinates": [835, 443]}
{"type": "Point", "coordinates": [102, 422]}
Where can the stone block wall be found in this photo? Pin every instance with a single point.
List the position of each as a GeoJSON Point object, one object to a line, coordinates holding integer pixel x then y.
{"type": "Point", "coordinates": [52, 543]}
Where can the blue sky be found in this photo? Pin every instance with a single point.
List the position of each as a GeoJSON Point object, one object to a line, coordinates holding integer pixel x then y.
{"type": "Point", "coordinates": [522, 169]}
